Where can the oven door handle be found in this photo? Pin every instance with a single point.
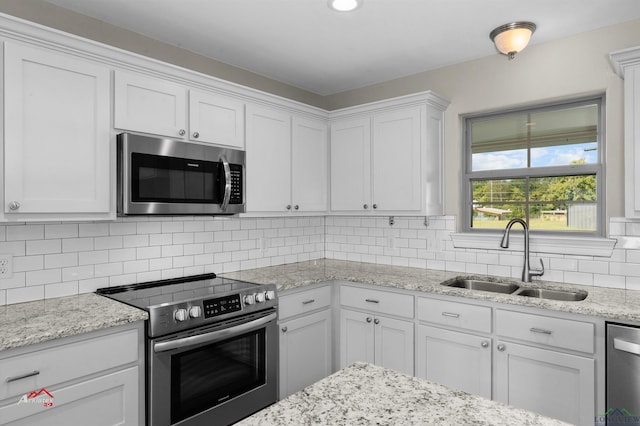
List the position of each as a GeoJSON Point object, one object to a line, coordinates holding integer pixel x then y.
{"type": "Point", "coordinates": [212, 336]}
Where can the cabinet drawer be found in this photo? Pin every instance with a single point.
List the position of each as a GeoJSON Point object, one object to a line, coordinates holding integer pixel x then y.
{"type": "Point", "coordinates": [377, 301]}
{"type": "Point", "coordinates": [305, 301]}
{"type": "Point", "coordinates": [454, 314]}
{"type": "Point", "coordinates": [48, 367]}
{"type": "Point", "coordinates": [558, 332]}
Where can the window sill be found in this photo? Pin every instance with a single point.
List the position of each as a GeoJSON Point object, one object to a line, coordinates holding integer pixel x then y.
{"type": "Point", "coordinates": [582, 246]}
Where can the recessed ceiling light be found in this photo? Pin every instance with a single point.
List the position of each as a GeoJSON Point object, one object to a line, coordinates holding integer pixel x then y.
{"type": "Point", "coordinates": [344, 5]}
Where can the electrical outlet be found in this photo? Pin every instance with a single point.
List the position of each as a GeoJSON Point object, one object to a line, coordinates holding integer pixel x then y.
{"type": "Point", "coordinates": [6, 266]}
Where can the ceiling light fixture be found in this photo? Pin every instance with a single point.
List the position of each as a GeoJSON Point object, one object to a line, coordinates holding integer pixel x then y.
{"type": "Point", "coordinates": [344, 5]}
{"type": "Point", "coordinates": [512, 38]}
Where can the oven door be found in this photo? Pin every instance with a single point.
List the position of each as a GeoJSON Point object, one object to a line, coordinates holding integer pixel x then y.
{"type": "Point", "coordinates": [214, 375]}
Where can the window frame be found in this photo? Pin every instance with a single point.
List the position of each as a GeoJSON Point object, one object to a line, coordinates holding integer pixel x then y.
{"type": "Point", "coordinates": [597, 168]}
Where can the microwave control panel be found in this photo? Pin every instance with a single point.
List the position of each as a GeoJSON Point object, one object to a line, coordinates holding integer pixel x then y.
{"type": "Point", "coordinates": [236, 184]}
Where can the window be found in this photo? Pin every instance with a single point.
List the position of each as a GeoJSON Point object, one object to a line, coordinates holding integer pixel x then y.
{"type": "Point", "coordinates": [541, 164]}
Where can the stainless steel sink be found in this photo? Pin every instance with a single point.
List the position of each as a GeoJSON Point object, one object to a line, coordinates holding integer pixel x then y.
{"type": "Point", "coordinates": [563, 295]}
{"type": "Point", "coordinates": [479, 285]}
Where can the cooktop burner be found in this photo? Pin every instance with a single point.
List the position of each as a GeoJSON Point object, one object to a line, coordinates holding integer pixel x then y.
{"type": "Point", "coordinates": [183, 303]}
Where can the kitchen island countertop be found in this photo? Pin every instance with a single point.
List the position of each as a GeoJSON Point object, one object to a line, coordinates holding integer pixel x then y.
{"type": "Point", "coordinates": [608, 303]}
{"type": "Point", "coordinates": [364, 394]}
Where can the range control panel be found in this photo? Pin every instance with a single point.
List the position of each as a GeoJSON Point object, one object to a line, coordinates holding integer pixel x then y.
{"type": "Point", "coordinates": [222, 305]}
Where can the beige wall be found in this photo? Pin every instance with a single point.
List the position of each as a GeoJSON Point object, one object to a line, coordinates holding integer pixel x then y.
{"type": "Point", "coordinates": [74, 23]}
{"type": "Point", "coordinates": [562, 69]}
{"type": "Point", "coordinates": [557, 70]}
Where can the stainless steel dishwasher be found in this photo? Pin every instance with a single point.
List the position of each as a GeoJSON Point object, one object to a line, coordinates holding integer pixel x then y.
{"type": "Point", "coordinates": [623, 375]}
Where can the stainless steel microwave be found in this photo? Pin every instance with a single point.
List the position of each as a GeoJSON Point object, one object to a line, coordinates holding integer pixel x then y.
{"type": "Point", "coordinates": [169, 177]}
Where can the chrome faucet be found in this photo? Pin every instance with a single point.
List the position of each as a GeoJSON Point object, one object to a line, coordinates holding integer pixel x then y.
{"type": "Point", "coordinates": [527, 272]}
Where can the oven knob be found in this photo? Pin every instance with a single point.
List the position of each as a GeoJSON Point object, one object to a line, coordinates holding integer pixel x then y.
{"type": "Point", "coordinates": [259, 297]}
{"type": "Point", "coordinates": [249, 299]}
{"type": "Point", "coordinates": [270, 294]}
{"type": "Point", "coordinates": [181, 315]}
{"type": "Point", "coordinates": [195, 311]}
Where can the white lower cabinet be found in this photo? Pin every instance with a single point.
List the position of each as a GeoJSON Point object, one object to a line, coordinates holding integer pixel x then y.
{"type": "Point", "coordinates": [372, 337]}
{"type": "Point", "coordinates": [549, 382]}
{"type": "Point", "coordinates": [96, 379]}
{"type": "Point", "coordinates": [306, 350]}
{"type": "Point", "coordinates": [458, 360]}
{"type": "Point", "coordinates": [383, 341]}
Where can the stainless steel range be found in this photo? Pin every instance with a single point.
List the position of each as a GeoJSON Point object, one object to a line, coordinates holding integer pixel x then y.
{"type": "Point", "coordinates": [212, 348]}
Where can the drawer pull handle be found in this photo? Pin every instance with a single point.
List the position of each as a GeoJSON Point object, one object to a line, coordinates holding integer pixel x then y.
{"type": "Point", "coordinates": [23, 376]}
{"type": "Point", "coordinates": [368, 319]}
{"type": "Point", "coordinates": [306, 302]}
{"type": "Point", "coordinates": [376, 321]}
{"type": "Point", "coordinates": [450, 314]}
{"type": "Point", "coordinates": [540, 330]}
{"type": "Point", "coordinates": [372, 300]}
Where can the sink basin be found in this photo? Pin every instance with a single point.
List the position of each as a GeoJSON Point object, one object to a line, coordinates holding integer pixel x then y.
{"type": "Point", "coordinates": [478, 285]}
{"type": "Point", "coordinates": [564, 295]}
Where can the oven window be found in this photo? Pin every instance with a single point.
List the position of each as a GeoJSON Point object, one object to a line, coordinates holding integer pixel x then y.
{"type": "Point", "coordinates": [157, 178]}
{"type": "Point", "coordinates": [210, 375]}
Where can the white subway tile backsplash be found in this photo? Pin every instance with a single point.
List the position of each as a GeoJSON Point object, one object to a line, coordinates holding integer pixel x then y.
{"type": "Point", "coordinates": [45, 276]}
{"type": "Point", "coordinates": [52, 231]}
{"type": "Point", "coordinates": [43, 247]}
{"type": "Point", "coordinates": [25, 294]}
{"type": "Point", "coordinates": [24, 232]}
{"type": "Point", "coordinates": [60, 260]}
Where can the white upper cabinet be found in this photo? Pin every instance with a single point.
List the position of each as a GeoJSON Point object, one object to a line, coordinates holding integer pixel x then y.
{"type": "Point", "coordinates": [396, 153]}
{"type": "Point", "coordinates": [216, 119]}
{"type": "Point", "coordinates": [627, 65]}
{"type": "Point", "coordinates": [153, 105]}
{"type": "Point", "coordinates": [351, 165]}
{"type": "Point", "coordinates": [268, 160]}
{"type": "Point", "coordinates": [386, 157]}
{"type": "Point", "coordinates": [286, 162]}
{"type": "Point", "coordinates": [309, 165]}
{"type": "Point", "coordinates": [149, 105]}
{"type": "Point", "coordinates": [57, 151]}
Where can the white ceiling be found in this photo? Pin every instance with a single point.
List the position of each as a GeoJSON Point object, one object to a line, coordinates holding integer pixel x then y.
{"type": "Point", "coordinates": [305, 44]}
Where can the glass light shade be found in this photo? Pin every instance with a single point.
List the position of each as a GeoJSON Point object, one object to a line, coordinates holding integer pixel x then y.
{"type": "Point", "coordinates": [512, 38]}
{"type": "Point", "coordinates": [344, 5]}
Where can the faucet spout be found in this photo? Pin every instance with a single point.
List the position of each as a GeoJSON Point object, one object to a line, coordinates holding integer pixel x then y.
{"type": "Point", "coordinates": [527, 272]}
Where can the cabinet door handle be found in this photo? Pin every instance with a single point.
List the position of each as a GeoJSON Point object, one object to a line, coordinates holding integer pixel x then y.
{"type": "Point", "coordinates": [196, 135]}
{"type": "Point", "coordinates": [376, 321]}
{"type": "Point", "coordinates": [371, 300]}
{"type": "Point", "coordinates": [297, 207]}
{"type": "Point", "coordinates": [450, 314]}
{"type": "Point", "coordinates": [14, 205]}
{"type": "Point", "coordinates": [288, 206]}
{"type": "Point", "coordinates": [368, 319]}
{"type": "Point", "coordinates": [181, 132]}
{"type": "Point", "coordinates": [284, 329]}
{"type": "Point", "coordinates": [306, 302]}
{"type": "Point", "coordinates": [501, 347]}
{"type": "Point", "coordinates": [484, 344]}
{"type": "Point", "coordinates": [366, 206]}
{"type": "Point", "coordinates": [540, 330]}
{"type": "Point", "coordinates": [22, 376]}
{"type": "Point", "coordinates": [375, 206]}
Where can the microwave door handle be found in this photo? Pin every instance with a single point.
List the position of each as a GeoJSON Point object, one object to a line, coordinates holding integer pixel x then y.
{"type": "Point", "coordinates": [227, 184]}
{"type": "Point", "coordinates": [213, 336]}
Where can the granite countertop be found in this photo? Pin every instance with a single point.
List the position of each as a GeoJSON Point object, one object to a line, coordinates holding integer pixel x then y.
{"type": "Point", "coordinates": [364, 394]}
{"type": "Point", "coordinates": [607, 303]}
{"type": "Point", "coordinates": [28, 323]}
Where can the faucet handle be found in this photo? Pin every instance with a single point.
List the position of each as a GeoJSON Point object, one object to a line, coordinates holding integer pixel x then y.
{"type": "Point", "coordinates": [537, 272]}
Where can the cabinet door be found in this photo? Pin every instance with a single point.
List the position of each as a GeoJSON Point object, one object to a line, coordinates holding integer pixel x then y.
{"type": "Point", "coordinates": [458, 360]}
{"type": "Point", "coordinates": [351, 165]}
{"type": "Point", "coordinates": [107, 400]}
{"type": "Point", "coordinates": [149, 105]}
{"type": "Point", "coordinates": [309, 165]}
{"type": "Point", "coordinates": [305, 351]}
{"type": "Point", "coordinates": [57, 130]}
{"type": "Point", "coordinates": [268, 160]}
{"type": "Point", "coordinates": [396, 160]}
{"type": "Point", "coordinates": [356, 337]}
{"type": "Point", "coordinates": [394, 344]}
{"type": "Point", "coordinates": [216, 119]}
{"type": "Point", "coordinates": [551, 383]}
